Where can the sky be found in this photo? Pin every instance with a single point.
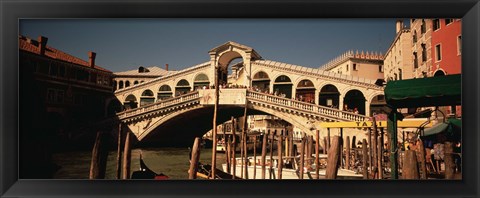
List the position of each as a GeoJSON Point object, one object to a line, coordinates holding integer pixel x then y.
{"type": "Point", "coordinates": [126, 44]}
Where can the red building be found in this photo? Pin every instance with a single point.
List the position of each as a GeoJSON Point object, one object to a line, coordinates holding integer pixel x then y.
{"type": "Point", "coordinates": [446, 50]}
{"type": "Point", "coordinates": [446, 46]}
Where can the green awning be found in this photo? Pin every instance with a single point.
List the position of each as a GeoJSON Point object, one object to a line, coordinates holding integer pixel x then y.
{"type": "Point", "coordinates": [435, 129]}
{"type": "Point", "coordinates": [452, 128]}
{"type": "Point", "coordinates": [425, 92]}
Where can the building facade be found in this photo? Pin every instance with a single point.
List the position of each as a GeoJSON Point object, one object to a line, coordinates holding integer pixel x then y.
{"type": "Point", "coordinates": [59, 93]}
{"type": "Point", "coordinates": [421, 47]}
{"type": "Point", "coordinates": [446, 46]}
{"type": "Point", "coordinates": [398, 59]}
{"type": "Point", "coordinates": [368, 65]}
{"type": "Point", "coordinates": [132, 77]}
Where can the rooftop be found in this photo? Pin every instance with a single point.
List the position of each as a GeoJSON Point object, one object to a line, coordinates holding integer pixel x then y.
{"type": "Point", "coordinates": [30, 45]}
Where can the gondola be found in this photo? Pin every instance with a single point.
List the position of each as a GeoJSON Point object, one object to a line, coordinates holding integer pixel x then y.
{"type": "Point", "coordinates": [147, 173]}
{"type": "Point", "coordinates": [204, 171]}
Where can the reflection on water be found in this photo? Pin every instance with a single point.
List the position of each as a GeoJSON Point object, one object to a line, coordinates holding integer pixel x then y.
{"type": "Point", "coordinates": [173, 162]}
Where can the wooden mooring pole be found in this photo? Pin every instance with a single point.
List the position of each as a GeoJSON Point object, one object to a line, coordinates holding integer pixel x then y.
{"type": "Point", "coordinates": [334, 156]}
{"type": "Point", "coordinates": [254, 157]}
{"type": "Point", "coordinates": [347, 153]}
{"type": "Point", "coordinates": [317, 154]}
{"type": "Point", "coordinates": [214, 124]}
{"type": "Point", "coordinates": [302, 157]}
{"type": "Point", "coordinates": [449, 161]}
{"type": "Point", "coordinates": [280, 159]}
{"type": "Point", "coordinates": [229, 155]}
{"type": "Point", "coordinates": [270, 172]}
{"type": "Point", "coordinates": [192, 173]}
{"type": "Point", "coordinates": [234, 149]}
{"type": "Point", "coordinates": [119, 152]}
{"type": "Point", "coordinates": [127, 153]}
{"type": "Point", "coordinates": [99, 157]}
{"type": "Point", "coordinates": [380, 156]}
{"type": "Point", "coordinates": [421, 156]}
{"type": "Point", "coordinates": [410, 168]}
{"type": "Point", "coordinates": [325, 145]}
{"type": "Point", "coordinates": [264, 152]}
{"type": "Point", "coordinates": [365, 158]}
{"type": "Point", "coordinates": [374, 149]}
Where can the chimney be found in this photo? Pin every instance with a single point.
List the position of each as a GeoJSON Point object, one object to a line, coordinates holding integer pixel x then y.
{"type": "Point", "coordinates": [42, 44]}
{"type": "Point", "coordinates": [91, 59]}
{"type": "Point", "coordinates": [166, 67]}
{"type": "Point", "coordinates": [399, 25]}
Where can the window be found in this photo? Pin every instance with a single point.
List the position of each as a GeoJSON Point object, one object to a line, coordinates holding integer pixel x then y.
{"type": "Point", "coordinates": [423, 27]}
{"type": "Point", "coordinates": [354, 67]}
{"type": "Point", "coordinates": [50, 95]}
{"type": "Point", "coordinates": [61, 71]}
{"type": "Point", "coordinates": [400, 74]}
{"type": "Point", "coordinates": [60, 95]}
{"type": "Point", "coordinates": [436, 24]}
{"type": "Point", "coordinates": [448, 21]}
{"type": "Point", "coordinates": [380, 68]}
{"type": "Point", "coordinates": [395, 76]}
{"type": "Point", "coordinates": [347, 67]}
{"type": "Point", "coordinates": [438, 52]}
{"type": "Point", "coordinates": [53, 69]}
{"type": "Point", "coordinates": [415, 60]}
{"type": "Point", "coordinates": [424, 53]}
{"type": "Point", "coordinates": [414, 37]}
{"type": "Point", "coordinates": [459, 44]}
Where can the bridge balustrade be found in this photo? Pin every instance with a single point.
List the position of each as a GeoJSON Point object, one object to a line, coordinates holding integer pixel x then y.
{"type": "Point", "coordinates": [160, 104]}
{"type": "Point", "coordinates": [306, 106]}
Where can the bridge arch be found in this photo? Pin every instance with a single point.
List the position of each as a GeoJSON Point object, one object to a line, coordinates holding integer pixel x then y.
{"type": "Point", "coordinates": [182, 87]}
{"type": "Point", "coordinates": [329, 96]}
{"type": "Point", "coordinates": [130, 102]}
{"type": "Point", "coordinates": [305, 91]}
{"type": "Point", "coordinates": [164, 92]}
{"type": "Point", "coordinates": [147, 97]}
{"type": "Point", "coordinates": [200, 80]}
{"type": "Point", "coordinates": [283, 85]}
{"type": "Point", "coordinates": [261, 81]}
{"type": "Point", "coordinates": [354, 98]}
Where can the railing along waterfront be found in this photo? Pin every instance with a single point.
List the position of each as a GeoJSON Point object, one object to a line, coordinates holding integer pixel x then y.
{"type": "Point", "coordinates": [308, 107]}
{"type": "Point", "coordinates": [159, 105]}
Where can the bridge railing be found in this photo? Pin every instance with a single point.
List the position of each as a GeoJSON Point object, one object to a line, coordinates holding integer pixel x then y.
{"type": "Point", "coordinates": [160, 104]}
{"type": "Point", "coordinates": [317, 109]}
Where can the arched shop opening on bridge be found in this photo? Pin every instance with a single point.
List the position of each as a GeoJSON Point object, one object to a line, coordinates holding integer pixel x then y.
{"type": "Point", "coordinates": [329, 96]}
{"type": "Point", "coordinates": [164, 92]}
{"type": "Point", "coordinates": [283, 86]}
{"type": "Point", "coordinates": [130, 102]}
{"type": "Point", "coordinates": [200, 81]}
{"type": "Point", "coordinates": [147, 97]}
{"type": "Point", "coordinates": [354, 99]}
{"type": "Point", "coordinates": [182, 87]}
{"type": "Point", "coordinates": [113, 107]}
{"type": "Point", "coordinates": [377, 105]}
{"type": "Point", "coordinates": [305, 91]}
{"type": "Point", "coordinates": [120, 84]}
{"type": "Point", "coordinates": [261, 81]}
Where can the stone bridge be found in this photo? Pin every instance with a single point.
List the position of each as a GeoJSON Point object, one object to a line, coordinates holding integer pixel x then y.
{"type": "Point", "coordinates": [302, 96]}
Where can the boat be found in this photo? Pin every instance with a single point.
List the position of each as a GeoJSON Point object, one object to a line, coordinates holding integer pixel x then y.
{"type": "Point", "coordinates": [147, 173]}
{"type": "Point", "coordinates": [289, 169]}
{"type": "Point", "coordinates": [204, 171]}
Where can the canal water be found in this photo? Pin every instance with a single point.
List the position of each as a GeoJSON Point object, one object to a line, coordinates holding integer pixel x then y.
{"type": "Point", "coordinates": [173, 162]}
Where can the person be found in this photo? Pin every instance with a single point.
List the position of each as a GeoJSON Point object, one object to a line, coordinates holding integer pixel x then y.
{"type": "Point", "coordinates": [355, 110]}
{"type": "Point", "coordinates": [457, 153]}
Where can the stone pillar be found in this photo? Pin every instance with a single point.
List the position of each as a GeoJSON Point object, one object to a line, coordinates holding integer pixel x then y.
{"type": "Point", "coordinates": [317, 96]}
{"type": "Point", "coordinates": [248, 70]}
{"type": "Point", "coordinates": [213, 64]}
{"type": "Point", "coordinates": [340, 102]}
{"type": "Point", "coordinates": [367, 108]}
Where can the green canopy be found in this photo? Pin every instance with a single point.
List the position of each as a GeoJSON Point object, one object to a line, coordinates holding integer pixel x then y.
{"type": "Point", "coordinates": [425, 92]}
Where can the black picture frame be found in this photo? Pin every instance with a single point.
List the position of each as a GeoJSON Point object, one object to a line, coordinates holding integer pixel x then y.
{"type": "Point", "coordinates": [12, 11]}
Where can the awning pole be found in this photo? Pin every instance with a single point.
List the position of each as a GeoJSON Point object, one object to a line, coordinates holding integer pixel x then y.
{"type": "Point", "coordinates": [392, 130]}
